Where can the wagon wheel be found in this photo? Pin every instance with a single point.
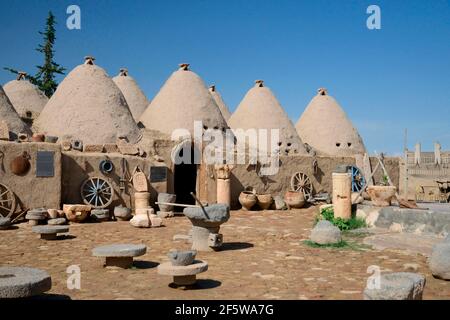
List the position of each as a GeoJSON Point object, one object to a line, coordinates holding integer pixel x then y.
{"type": "Point", "coordinates": [358, 180]}
{"type": "Point", "coordinates": [7, 201]}
{"type": "Point", "coordinates": [301, 182]}
{"type": "Point", "coordinates": [97, 192]}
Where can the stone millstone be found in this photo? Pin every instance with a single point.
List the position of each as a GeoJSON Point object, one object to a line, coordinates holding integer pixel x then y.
{"type": "Point", "coordinates": [119, 255]}
{"type": "Point", "coordinates": [439, 261]}
{"type": "Point", "coordinates": [120, 250]}
{"type": "Point", "coordinates": [216, 213]}
{"type": "Point", "coordinates": [5, 223]}
{"type": "Point", "coordinates": [183, 275]}
{"type": "Point", "coordinates": [49, 232]}
{"type": "Point", "coordinates": [397, 286]}
{"type": "Point", "coordinates": [325, 233]}
{"type": "Point", "coordinates": [50, 229]}
{"type": "Point", "coordinates": [36, 214]}
{"type": "Point", "coordinates": [21, 282]}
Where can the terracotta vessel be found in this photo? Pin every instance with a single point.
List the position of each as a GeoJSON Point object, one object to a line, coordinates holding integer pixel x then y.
{"type": "Point", "coordinates": [247, 199]}
{"type": "Point", "coordinates": [21, 164]}
{"type": "Point", "coordinates": [264, 200]}
{"type": "Point", "coordinates": [381, 195]}
{"type": "Point", "coordinates": [38, 138]}
{"type": "Point", "coordinates": [294, 199]}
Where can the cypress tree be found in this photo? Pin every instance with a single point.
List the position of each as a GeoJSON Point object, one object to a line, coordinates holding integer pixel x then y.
{"type": "Point", "coordinates": [45, 77]}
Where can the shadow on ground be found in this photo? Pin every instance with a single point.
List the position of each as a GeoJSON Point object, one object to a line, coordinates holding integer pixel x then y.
{"type": "Point", "coordinates": [235, 246]}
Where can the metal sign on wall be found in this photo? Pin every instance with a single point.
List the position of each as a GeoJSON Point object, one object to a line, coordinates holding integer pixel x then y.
{"type": "Point", "coordinates": [45, 166]}
{"type": "Point", "coordinates": [158, 174]}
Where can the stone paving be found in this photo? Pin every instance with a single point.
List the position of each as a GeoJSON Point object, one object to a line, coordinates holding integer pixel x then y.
{"type": "Point", "coordinates": [263, 257]}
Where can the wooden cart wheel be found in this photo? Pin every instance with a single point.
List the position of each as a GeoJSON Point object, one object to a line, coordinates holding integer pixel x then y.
{"type": "Point", "coordinates": [358, 180]}
{"type": "Point", "coordinates": [97, 192]}
{"type": "Point", "coordinates": [7, 201]}
{"type": "Point", "coordinates": [301, 182]}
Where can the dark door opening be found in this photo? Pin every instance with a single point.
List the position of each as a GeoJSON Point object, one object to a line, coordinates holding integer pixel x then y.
{"type": "Point", "coordinates": [185, 181]}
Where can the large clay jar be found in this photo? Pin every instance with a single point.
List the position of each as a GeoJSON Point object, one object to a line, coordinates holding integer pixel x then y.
{"type": "Point", "coordinates": [21, 164]}
{"type": "Point", "coordinates": [38, 137]}
{"type": "Point", "coordinates": [264, 201]}
{"type": "Point", "coordinates": [381, 196]}
{"type": "Point", "coordinates": [247, 199]}
{"type": "Point", "coordinates": [294, 199]}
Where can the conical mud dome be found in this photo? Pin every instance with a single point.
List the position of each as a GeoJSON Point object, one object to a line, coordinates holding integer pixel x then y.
{"type": "Point", "coordinates": [25, 97]}
{"type": "Point", "coordinates": [220, 103]}
{"type": "Point", "coordinates": [182, 100]}
{"type": "Point", "coordinates": [88, 106]}
{"type": "Point", "coordinates": [326, 128]}
{"type": "Point", "coordinates": [136, 99]}
{"type": "Point", "coordinates": [261, 110]}
{"type": "Point", "coordinates": [10, 117]}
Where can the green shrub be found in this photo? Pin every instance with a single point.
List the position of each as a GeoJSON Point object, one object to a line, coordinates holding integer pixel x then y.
{"type": "Point", "coordinates": [342, 224]}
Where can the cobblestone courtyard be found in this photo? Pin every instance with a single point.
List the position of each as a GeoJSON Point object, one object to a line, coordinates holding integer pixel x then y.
{"type": "Point", "coordinates": [263, 257]}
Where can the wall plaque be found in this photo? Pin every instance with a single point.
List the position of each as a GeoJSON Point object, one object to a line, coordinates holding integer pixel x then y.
{"type": "Point", "coordinates": [45, 166]}
{"type": "Point", "coordinates": [158, 174]}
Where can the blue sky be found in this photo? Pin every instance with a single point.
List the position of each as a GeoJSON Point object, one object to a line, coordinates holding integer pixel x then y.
{"type": "Point", "coordinates": [386, 80]}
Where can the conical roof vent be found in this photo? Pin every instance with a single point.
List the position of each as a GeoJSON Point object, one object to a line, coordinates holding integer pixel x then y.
{"type": "Point", "coordinates": [261, 110]}
{"type": "Point", "coordinates": [10, 116]}
{"type": "Point", "coordinates": [136, 99]}
{"type": "Point", "coordinates": [220, 103]}
{"type": "Point", "coordinates": [25, 97]}
{"type": "Point", "coordinates": [183, 99]}
{"type": "Point", "coordinates": [88, 106]}
{"type": "Point", "coordinates": [325, 126]}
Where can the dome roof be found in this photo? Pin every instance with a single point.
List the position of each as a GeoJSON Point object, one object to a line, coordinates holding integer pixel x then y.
{"type": "Point", "coordinates": [25, 97]}
{"type": "Point", "coordinates": [88, 106]}
{"type": "Point", "coordinates": [10, 116]}
{"type": "Point", "coordinates": [260, 109]}
{"type": "Point", "coordinates": [136, 99]}
{"type": "Point", "coordinates": [325, 126]}
{"type": "Point", "coordinates": [220, 103]}
{"type": "Point", "coordinates": [182, 100]}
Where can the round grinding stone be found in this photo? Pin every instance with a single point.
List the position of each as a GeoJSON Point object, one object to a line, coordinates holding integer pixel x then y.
{"type": "Point", "coordinates": [49, 229]}
{"type": "Point", "coordinates": [22, 282]}
{"type": "Point", "coordinates": [120, 250]}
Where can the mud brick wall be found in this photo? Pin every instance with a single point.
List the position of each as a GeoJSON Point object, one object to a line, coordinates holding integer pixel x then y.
{"type": "Point", "coordinates": [79, 166]}
{"type": "Point", "coordinates": [31, 191]}
{"type": "Point", "coordinates": [243, 176]}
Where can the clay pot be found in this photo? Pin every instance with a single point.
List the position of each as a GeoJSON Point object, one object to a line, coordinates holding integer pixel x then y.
{"type": "Point", "coordinates": [381, 196]}
{"type": "Point", "coordinates": [38, 137]}
{"type": "Point", "coordinates": [247, 199]}
{"type": "Point", "coordinates": [77, 216]}
{"type": "Point", "coordinates": [264, 200]}
{"type": "Point", "coordinates": [294, 199]}
{"type": "Point", "coordinates": [20, 165]}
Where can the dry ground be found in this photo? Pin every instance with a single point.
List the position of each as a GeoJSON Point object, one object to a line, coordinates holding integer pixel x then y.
{"type": "Point", "coordinates": [263, 258]}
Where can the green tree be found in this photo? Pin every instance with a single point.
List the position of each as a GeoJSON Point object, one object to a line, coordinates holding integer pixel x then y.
{"type": "Point", "coordinates": [45, 77]}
